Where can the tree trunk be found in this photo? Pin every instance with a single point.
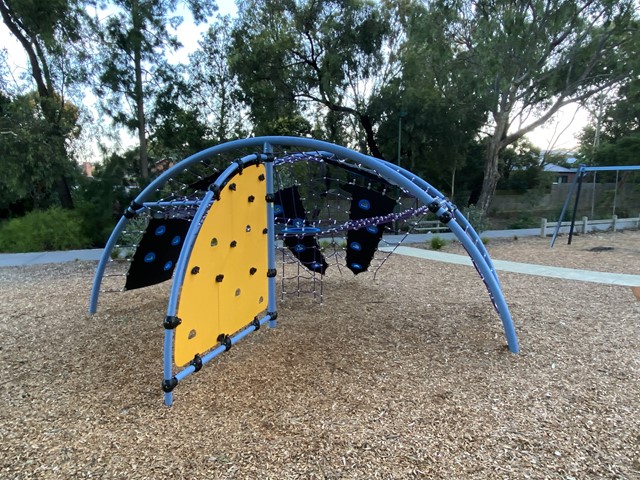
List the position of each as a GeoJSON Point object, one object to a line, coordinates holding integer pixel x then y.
{"type": "Point", "coordinates": [492, 158]}
{"type": "Point", "coordinates": [139, 93]}
{"type": "Point", "coordinates": [142, 127]}
{"type": "Point", "coordinates": [491, 176]}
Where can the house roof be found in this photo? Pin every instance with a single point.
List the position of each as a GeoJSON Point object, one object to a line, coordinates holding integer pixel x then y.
{"type": "Point", "coordinates": [552, 167]}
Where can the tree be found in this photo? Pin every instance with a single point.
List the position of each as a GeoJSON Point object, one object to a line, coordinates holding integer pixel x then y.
{"type": "Point", "coordinates": [534, 57]}
{"type": "Point", "coordinates": [135, 40]}
{"type": "Point", "coordinates": [295, 58]}
{"type": "Point", "coordinates": [432, 106]}
{"type": "Point", "coordinates": [214, 91]}
{"type": "Point", "coordinates": [48, 33]}
{"type": "Point", "coordinates": [32, 162]}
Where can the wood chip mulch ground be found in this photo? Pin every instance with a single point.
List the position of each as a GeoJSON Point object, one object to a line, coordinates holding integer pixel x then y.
{"type": "Point", "coordinates": [404, 376]}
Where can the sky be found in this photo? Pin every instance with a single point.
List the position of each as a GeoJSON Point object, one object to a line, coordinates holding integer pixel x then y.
{"type": "Point", "coordinates": [560, 133]}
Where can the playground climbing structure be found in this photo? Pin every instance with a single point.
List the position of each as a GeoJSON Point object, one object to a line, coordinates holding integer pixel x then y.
{"type": "Point", "coordinates": [214, 223]}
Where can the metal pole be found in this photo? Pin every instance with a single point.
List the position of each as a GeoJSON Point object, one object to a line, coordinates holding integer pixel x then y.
{"type": "Point", "coordinates": [615, 194]}
{"type": "Point", "coordinates": [399, 136]}
{"type": "Point", "coordinates": [575, 209]}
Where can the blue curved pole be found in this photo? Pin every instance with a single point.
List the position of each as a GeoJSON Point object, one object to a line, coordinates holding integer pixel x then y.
{"type": "Point", "coordinates": [386, 172]}
{"type": "Point", "coordinates": [178, 279]}
{"type": "Point", "coordinates": [102, 264]}
{"type": "Point", "coordinates": [182, 264]}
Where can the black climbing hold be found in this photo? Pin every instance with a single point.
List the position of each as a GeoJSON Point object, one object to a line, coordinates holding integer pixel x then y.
{"type": "Point", "coordinates": [197, 363]}
{"type": "Point", "coordinates": [251, 198]}
{"type": "Point", "coordinates": [233, 244]}
{"type": "Point", "coordinates": [265, 231]}
{"type": "Point", "coordinates": [171, 322]}
{"type": "Point", "coordinates": [169, 385]}
{"type": "Point", "coordinates": [232, 187]}
{"type": "Point", "coordinates": [261, 177]}
{"type": "Point", "coordinates": [252, 270]}
{"type": "Point", "coordinates": [219, 278]}
{"type": "Point", "coordinates": [195, 270]}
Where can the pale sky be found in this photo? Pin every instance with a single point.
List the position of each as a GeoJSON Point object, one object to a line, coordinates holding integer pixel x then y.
{"type": "Point", "coordinates": [560, 133]}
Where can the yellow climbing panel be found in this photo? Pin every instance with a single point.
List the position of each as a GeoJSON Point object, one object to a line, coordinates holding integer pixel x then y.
{"type": "Point", "coordinates": [225, 284]}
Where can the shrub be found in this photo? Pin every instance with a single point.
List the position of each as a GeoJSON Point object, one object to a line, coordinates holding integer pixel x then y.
{"type": "Point", "coordinates": [437, 243]}
{"type": "Point", "coordinates": [53, 229]}
{"type": "Point", "coordinates": [476, 218]}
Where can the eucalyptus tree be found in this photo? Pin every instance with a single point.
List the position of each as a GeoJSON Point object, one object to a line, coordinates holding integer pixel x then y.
{"type": "Point", "coordinates": [533, 57]}
{"type": "Point", "coordinates": [32, 152]}
{"type": "Point", "coordinates": [134, 37]}
{"type": "Point", "coordinates": [51, 36]}
{"type": "Point", "coordinates": [298, 59]}
{"type": "Point", "coordinates": [214, 91]}
{"type": "Point", "coordinates": [613, 136]}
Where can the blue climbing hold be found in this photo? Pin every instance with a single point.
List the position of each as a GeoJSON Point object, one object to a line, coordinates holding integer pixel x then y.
{"type": "Point", "coordinates": [149, 257]}
{"type": "Point", "coordinates": [364, 204]}
{"type": "Point", "coordinates": [160, 230]}
{"type": "Point", "coordinates": [176, 240]}
{"type": "Point", "coordinates": [355, 246]}
{"type": "Point", "coordinates": [168, 265]}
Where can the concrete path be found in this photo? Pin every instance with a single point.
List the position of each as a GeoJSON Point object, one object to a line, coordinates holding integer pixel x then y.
{"type": "Point", "coordinates": [525, 268]}
{"type": "Point", "coordinates": [36, 258]}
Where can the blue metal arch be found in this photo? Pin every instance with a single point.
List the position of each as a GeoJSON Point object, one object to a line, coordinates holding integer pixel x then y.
{"type": "Point", "coordinates": [392, 173]}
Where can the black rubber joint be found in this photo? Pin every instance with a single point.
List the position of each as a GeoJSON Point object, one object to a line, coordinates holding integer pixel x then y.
{"type": "Point", "coordinates": [216, 191]}
{"type": "Point", "coordinates": [132, 210]}
{"type": "Point", "coordinates": [445, 217]}
{"type": "Point", "coordinates": [225, 340]}
{"type": "Point", "coordinates": [272, 315]}
{"type": "Point", "coordinates": [256, 324]}
{"type": "Point", "coordinates": [169, 385]}
{"type": "Point", "coordinates": [272, 272]}
{"type": "Point", "coordinates": [171, 322]}
{"type": "Point", "coordinates": [197, 363]}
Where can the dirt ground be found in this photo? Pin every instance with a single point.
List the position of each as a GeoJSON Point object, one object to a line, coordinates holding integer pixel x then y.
{"type": "Point", "coordinates": [404, 376]}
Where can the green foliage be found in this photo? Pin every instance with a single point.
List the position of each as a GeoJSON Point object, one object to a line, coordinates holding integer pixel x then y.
{"type": "Point", "coordinates": [33, 154]}
{"type": "Point", "coordinates": [102, 199]}
{"type": "Point", "coordinates": [437, 242]}
{"type": "Point", "coordinates": [524, 220]}
{"type": "Point", "coordinates": [212, 88]}
{"type": "Point", "coordinates": [476, 218]}
{"type": "Point", "coordinates": [520, 167]}
{"type": "Point", "coordinates": [43, 230]}
{"type": "Point", "coordinates": [293, 58]}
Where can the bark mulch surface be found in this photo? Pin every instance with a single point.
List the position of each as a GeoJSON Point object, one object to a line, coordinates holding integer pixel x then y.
{"type": "Point", "coordinates": [404, 376]}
